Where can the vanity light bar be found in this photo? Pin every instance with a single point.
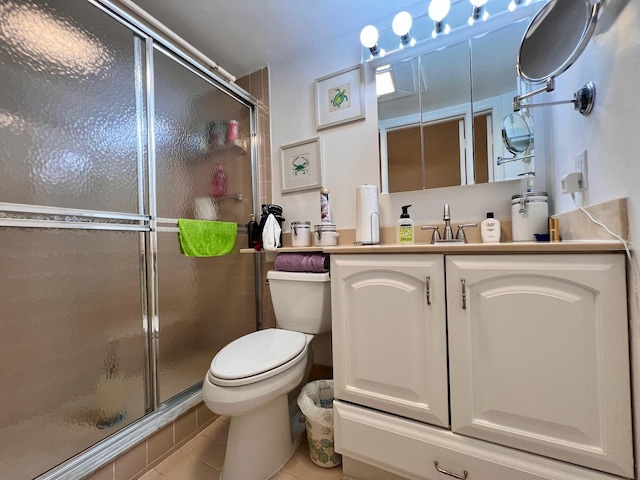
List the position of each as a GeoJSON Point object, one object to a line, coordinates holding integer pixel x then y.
{"type": "Point", "coordinates": [411, 32]}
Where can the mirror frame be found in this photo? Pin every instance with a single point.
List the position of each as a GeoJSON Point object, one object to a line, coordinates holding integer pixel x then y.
{"type": "Point", "coordinates": [592, 10]}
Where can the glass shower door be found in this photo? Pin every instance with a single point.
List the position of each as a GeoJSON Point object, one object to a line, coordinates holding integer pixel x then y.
{"type": "Point", "coordinates": [72, 316]}
{"type": "Point", "coordinates": [72, 356]}
{"type": "Point", "coordinates": [203, 303]}
{"type": "Point", "coordinates": [102, 319]}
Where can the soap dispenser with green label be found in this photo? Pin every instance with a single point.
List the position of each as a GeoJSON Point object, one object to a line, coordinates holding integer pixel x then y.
{"type": "Point", "coordinates": [404, 228]}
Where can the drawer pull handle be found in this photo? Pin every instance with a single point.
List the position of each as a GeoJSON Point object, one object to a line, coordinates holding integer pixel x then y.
{"type": "Point", "coordinates": [464, 294]}
{"type": "Point", "coordinates": [428, 290]}
{"type": "Point", "coordinates": [451, 474]}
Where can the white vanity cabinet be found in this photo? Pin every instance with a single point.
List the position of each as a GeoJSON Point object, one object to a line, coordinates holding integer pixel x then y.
{"type": "Point", "coordinates": [389, 334]}
{"type": "Point", "coordinates": [537, 376]}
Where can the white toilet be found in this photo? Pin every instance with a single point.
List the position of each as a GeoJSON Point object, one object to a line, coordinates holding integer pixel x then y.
{"type": "Point", "coordinates": [250, 378]}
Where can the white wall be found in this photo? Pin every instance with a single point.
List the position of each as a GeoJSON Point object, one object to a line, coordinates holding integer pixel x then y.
{"type": "Point", "coordinates": [611, 136]}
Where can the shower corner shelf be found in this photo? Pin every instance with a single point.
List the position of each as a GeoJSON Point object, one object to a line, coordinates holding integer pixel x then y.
{"type": "Point", "coordinates": [242, 145]}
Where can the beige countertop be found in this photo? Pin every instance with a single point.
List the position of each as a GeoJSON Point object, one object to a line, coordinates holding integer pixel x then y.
{"type": "Point", "coordinates": [571, 246]}
{"type": "Point", "coordinates": [463, 248]}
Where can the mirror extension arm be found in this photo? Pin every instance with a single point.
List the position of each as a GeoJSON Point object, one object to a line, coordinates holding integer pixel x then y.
{"type": "Point", "coordinates": [583, 99]}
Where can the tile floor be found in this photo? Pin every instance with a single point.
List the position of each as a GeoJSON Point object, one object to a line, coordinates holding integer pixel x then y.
{"type": "Point", "coordinates": [202, 457]}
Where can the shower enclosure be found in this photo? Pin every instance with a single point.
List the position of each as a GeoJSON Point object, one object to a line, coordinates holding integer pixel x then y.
{"type": "Point", "coordinates": [108, 135]}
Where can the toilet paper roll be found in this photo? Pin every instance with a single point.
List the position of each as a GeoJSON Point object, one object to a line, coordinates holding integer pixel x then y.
{"type": "Point", "coordinates": [367, 215]}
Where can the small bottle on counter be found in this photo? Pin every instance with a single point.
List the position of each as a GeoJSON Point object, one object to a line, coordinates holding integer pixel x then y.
{"type": "Point", "coordinates": [490, 229]}
{"type": "Point", "coordinates": [554, 229]}
{"type": "Point", "coordinates": [404, 227]}
{"type": "Point", "coordinates": [325, 212]}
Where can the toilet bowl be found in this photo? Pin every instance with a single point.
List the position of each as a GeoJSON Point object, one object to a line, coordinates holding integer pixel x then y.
{"type": "Point", "coordinates": [250, 378]}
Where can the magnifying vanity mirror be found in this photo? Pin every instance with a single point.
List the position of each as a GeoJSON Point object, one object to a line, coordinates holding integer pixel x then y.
{"type": "Point", "coordinates": [441, 125]}
{"type": "Point", "coordinates": [516, 134]}
{"type": "Point", "coordinates": [567, 25]}
{"type": "Point", "coordinates": [518, 139]}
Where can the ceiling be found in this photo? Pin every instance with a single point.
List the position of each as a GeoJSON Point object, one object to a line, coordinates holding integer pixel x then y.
{"type": "Point", "coordinates": [243, 36]}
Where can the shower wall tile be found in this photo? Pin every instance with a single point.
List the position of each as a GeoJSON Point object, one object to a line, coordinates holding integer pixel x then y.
{"type": "Point", "coordinates": [131, 463]}
{"type": "Point", "coordinates": [185, 427]}
{"type": "Point", "coordinates": [159, 444]}
{"type": "Point", "coordinates": [204, 416]}
{"type": "Point", "coordinates": [244, 83]}
{"type": "Point", "coordinates": [105, 473]}
{"type": "Point", "coordinates": [256, 79]}
{"type": "Point", "coordinates": [148, 454]}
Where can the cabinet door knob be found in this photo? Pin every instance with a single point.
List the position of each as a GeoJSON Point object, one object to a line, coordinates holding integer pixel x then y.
{"type": "Point", "coordinates": [427, 288]}
{"type": "Point", "coordinates": [464, 294]}
{"type": "Point", "coordinates": [464, 475]}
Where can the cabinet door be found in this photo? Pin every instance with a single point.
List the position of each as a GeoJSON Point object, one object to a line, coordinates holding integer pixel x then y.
{"type": "Point", "coordinates": [539, 355]}
{"type": "Point", "coordinates": [389, 334]}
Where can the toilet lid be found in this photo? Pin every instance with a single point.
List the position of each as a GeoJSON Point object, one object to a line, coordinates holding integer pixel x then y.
{"type": "Point", "coordinates": [256, 353]}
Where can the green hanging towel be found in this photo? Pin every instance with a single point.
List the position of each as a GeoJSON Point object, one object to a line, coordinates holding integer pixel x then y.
{"type": "Point", "coordinates": [201, 238]}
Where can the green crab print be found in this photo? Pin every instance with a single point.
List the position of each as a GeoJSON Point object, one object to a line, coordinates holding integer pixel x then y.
{"type": "Point", "coordinates": [339, 98]}
{"type": "Point", "coordinates": [299, 166]}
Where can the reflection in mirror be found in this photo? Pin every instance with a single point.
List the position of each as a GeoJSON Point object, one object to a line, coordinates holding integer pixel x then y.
{"type": "Point", "coordinates": [448, 131]}
{"type": "Point", "coordinates": [446, 115]}
{"type": "Point", "coordinates": [494, 86]}
{"type": "Point", "coordinates": [422, 125]}
{"type": "Point", "coordinates": [516, 134]}
{"type": "Point", "coordinates": [423, 133]}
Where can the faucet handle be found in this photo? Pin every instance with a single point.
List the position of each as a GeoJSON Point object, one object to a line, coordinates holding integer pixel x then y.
{"type": "Point", "coordinates": [436, 232]}
{"type": "Point", "coordinates": [460, 235]}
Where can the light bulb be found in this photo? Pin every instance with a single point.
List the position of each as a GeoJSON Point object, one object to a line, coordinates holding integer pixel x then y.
{"type": "Point", "coordinates": [516, 3]}
{"type": "Point", "coordinates": [478, 13]}
{"type": "Point", "coordinates": [369, 36]}
{"type": "Point", "coordinates": [402, 23]}
{"type": "Point", "coordinates": [438, 9]}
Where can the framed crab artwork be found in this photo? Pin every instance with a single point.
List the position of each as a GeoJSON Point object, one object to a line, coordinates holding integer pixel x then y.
{"type": "Point", "coordinates": [340, 98]}
{"type": "Point", "coordinates": [301, 166]}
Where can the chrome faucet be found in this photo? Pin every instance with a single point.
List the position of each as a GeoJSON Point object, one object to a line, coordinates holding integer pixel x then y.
{"type": "Point", "coordinates": [448, 233]}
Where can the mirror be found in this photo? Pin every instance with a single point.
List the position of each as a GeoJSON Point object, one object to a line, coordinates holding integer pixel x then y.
{"type": "Point", "coordinates": [422, 124]}
{"type": "Point", "coordinates": [516, 134]}
{"type": "Point", "coordinates": [566, 25]}
{"type": "Point", "coordinates": [442, 126]}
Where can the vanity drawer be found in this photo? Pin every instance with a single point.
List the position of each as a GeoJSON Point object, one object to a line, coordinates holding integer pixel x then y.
{"type": "Point", "coordinates": [410, 449]}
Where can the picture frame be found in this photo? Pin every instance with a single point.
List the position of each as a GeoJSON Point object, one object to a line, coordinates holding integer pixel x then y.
{"type": "Point", "coordinates": [340, 97]}
{"type": "Point", "coordinates": [301, 166]}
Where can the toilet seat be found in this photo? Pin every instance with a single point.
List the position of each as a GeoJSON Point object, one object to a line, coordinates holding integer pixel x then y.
{"type": "Point", "coordinates": [257, 356]}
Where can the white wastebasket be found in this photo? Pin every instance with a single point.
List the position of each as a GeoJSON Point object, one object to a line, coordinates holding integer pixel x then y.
{"type": "Point", "coordinates": [316, 403]}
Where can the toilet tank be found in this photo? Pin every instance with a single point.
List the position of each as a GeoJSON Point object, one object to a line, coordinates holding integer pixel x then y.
{"type": "Point", "coordinates": [301, 301]}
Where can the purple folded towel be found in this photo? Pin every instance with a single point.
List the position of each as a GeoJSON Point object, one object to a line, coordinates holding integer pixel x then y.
{"type": "Point", "coordinates": [302, 262]}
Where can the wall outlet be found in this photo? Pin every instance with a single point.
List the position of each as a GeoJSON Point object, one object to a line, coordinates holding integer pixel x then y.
{"type": "Point", "coordinates": [581, 167]}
